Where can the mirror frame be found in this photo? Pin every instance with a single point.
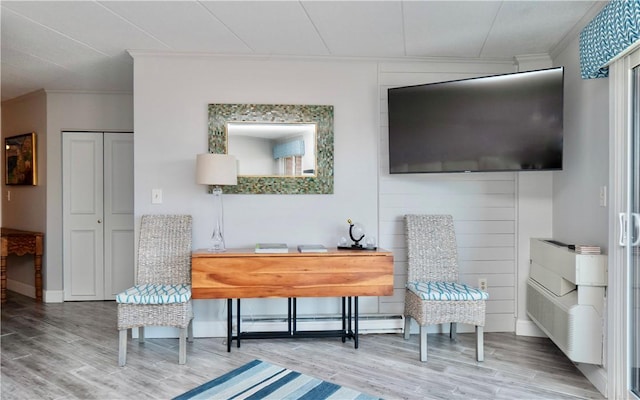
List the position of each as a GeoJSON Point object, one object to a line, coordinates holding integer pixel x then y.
{"type": "Point", "coordinates": [321, 115]}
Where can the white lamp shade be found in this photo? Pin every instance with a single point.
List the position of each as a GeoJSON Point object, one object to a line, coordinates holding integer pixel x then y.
{"type": "Point", "coordinates": [216, 169]}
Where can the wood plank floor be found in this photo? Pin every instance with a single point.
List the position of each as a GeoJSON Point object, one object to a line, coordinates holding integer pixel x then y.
{"type": "Point", "coordinates": [70, 351]}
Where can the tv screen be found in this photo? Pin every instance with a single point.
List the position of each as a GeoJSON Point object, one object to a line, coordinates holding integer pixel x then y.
{"type": "Point", "coordinates": [508, 122]}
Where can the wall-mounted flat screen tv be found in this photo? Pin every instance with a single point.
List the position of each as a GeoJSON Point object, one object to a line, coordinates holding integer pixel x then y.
{"type": "Point", "coordinates": [510, 122]}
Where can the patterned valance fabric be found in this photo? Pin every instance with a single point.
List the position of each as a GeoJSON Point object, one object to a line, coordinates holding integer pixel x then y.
{"type": "Point", "coordinates": [611, 32]}
{"type": "Point", "coordinates": [288, 149]}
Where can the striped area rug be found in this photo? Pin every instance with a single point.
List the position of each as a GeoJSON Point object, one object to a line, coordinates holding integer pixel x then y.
{"type": "Point", "coordinates": [261, 380]}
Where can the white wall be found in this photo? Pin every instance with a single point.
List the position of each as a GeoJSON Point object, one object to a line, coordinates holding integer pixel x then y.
{"type": "Point", "coordinates": [486, 207]}
{"type": "Point", "coordinates": [578, 216]}
{"type": "Point", "coordinates": [534, 215]}
{"type": "Point", "coordinates": [73, 111]}
{"type": "Point", "coordinates": [27, 208]}
{"type": "Point", "coordinates": [254, 155]}
{"type": "Point", "coordinates": [39, 208]}
{"type": "Point", "coordinates": [171, 97]}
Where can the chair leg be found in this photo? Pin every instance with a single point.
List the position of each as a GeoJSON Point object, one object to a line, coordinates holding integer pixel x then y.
{"type": "Point", "coordinates": [453, 328]}
{"type": "Point", "coordinates": [190, 332]}
{"type": "Point", "coordinates": [407, 327]}
{"type": "Point", "coordinates": [122, 347]}
{"type": "Point", "coordinates": [423, 343]}
{"type": "Point", "coordinates": [141, 334]}
{"type": "Point", "coordinates": [182, 357]}
{"type": "Point", "coordinates": [480, 343]}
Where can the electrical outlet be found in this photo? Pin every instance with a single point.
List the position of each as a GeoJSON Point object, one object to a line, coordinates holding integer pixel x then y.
{"type": "Point", "coordinates": [482, 284]}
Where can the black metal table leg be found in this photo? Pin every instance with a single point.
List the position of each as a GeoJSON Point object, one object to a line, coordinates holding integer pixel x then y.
{"type": "Point", "coordinates": [295, 313]}
{"type": "Point", "coordinates": [355, 321]}
{"type": "Point", "coordinates": [289, 315]}
{"type": "Point", "coordinates": [229, 323]}
{"type": "Point", "coordinates": [349, 317]}
{"type": "Point", "coordinates": [345, 332]}
{"type": "Point", "coordinates": [350, 314]}
{"type": "Point", "coordinates": [238, 322]}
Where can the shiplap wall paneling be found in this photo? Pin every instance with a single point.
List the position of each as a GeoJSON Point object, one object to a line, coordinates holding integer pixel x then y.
{"type": "Point", "coordinates": [483, 205]}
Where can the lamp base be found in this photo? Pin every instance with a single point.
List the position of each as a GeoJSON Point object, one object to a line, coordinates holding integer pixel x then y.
{"type": "Point", "coordinates": [217, 239]}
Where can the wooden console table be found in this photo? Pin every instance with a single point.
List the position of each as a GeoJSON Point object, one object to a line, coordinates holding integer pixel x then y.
{"type": "Point", "coordinates": [19, 242]}
{"type": "Point", "coordinates": [242, 273]}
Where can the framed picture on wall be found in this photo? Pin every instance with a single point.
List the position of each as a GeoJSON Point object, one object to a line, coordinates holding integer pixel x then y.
{"type": "Point", "coordinates": [20, 159]}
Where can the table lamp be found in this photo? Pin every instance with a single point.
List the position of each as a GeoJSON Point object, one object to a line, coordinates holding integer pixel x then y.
{"type": "Point", "coordinates": [216, 170]}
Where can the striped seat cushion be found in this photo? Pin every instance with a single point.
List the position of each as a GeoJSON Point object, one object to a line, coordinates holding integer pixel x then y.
{"type": "Point", "coordinates": [446, 291]}
{"type": "Point", "coordinates": [155, 294]}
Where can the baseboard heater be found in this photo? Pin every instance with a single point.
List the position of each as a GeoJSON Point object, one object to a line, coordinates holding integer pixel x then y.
{"type": "Point", "coordinates": [566, 298]}
{"type": "Point", "coordinates": [366, 323]}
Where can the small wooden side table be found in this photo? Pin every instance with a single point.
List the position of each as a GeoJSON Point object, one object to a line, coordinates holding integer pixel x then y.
{"type": "Point", "coordinates": [18, 242]}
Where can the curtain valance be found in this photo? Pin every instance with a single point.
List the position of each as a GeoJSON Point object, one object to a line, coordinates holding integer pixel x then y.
{"type": "Point", "coordinates": [288, 149]}
{"type": "Point", "coordinates": [611, 32]}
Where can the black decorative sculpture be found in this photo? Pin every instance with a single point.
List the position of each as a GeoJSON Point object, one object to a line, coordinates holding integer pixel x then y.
{"type": "Point", "coordinates": [356, 233]}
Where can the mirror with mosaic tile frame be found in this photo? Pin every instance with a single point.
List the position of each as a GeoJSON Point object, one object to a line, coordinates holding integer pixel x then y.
{"type": "Point", "coordinates": [301, 151]}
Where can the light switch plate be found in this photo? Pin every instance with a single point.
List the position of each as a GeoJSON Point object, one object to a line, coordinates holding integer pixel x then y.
{"type": "Point", "coordinates": [603, 196]}
{"type": "Point", "coordinates": [156, 196]}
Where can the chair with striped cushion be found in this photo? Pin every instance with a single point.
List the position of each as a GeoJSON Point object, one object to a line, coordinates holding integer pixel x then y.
{"type": "Point", "coordinates": [162, 293]}
{"type": "Point", "coordinates": [434, 295]}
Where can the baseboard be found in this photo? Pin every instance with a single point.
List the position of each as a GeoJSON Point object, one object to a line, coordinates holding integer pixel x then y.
{"type": "Point", "coordinates": [22, 288]}
{"type": "Point", "coordinates": [528, 328]}
{"type": "Point", "coordinates": [366, 324]}
{"type": "Point", "coordinates": [596, 375]}
{"type": "Point", "coordinates": [48, 296]}
{"type": "Point", "coordinates": [53, 296]}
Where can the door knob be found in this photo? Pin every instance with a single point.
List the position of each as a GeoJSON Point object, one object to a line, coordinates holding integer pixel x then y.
{"type": "Point", "coordinates": [99, 221]}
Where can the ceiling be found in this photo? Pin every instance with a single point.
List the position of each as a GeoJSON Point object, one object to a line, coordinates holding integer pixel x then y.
{"type": "Point", "coordinates": [81, 45]}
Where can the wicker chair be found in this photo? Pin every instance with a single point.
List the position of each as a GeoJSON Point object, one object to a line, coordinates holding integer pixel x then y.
{"type": "Point", "coordinates": [162, 294]}
{"type": "Point", "coordinates": [433, 294]}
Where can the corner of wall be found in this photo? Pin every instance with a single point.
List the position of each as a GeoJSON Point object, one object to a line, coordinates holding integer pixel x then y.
{"type": "Point", "coordinates": [535, 217]}
{"type": "Point", "coordinates": [534, 213]}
